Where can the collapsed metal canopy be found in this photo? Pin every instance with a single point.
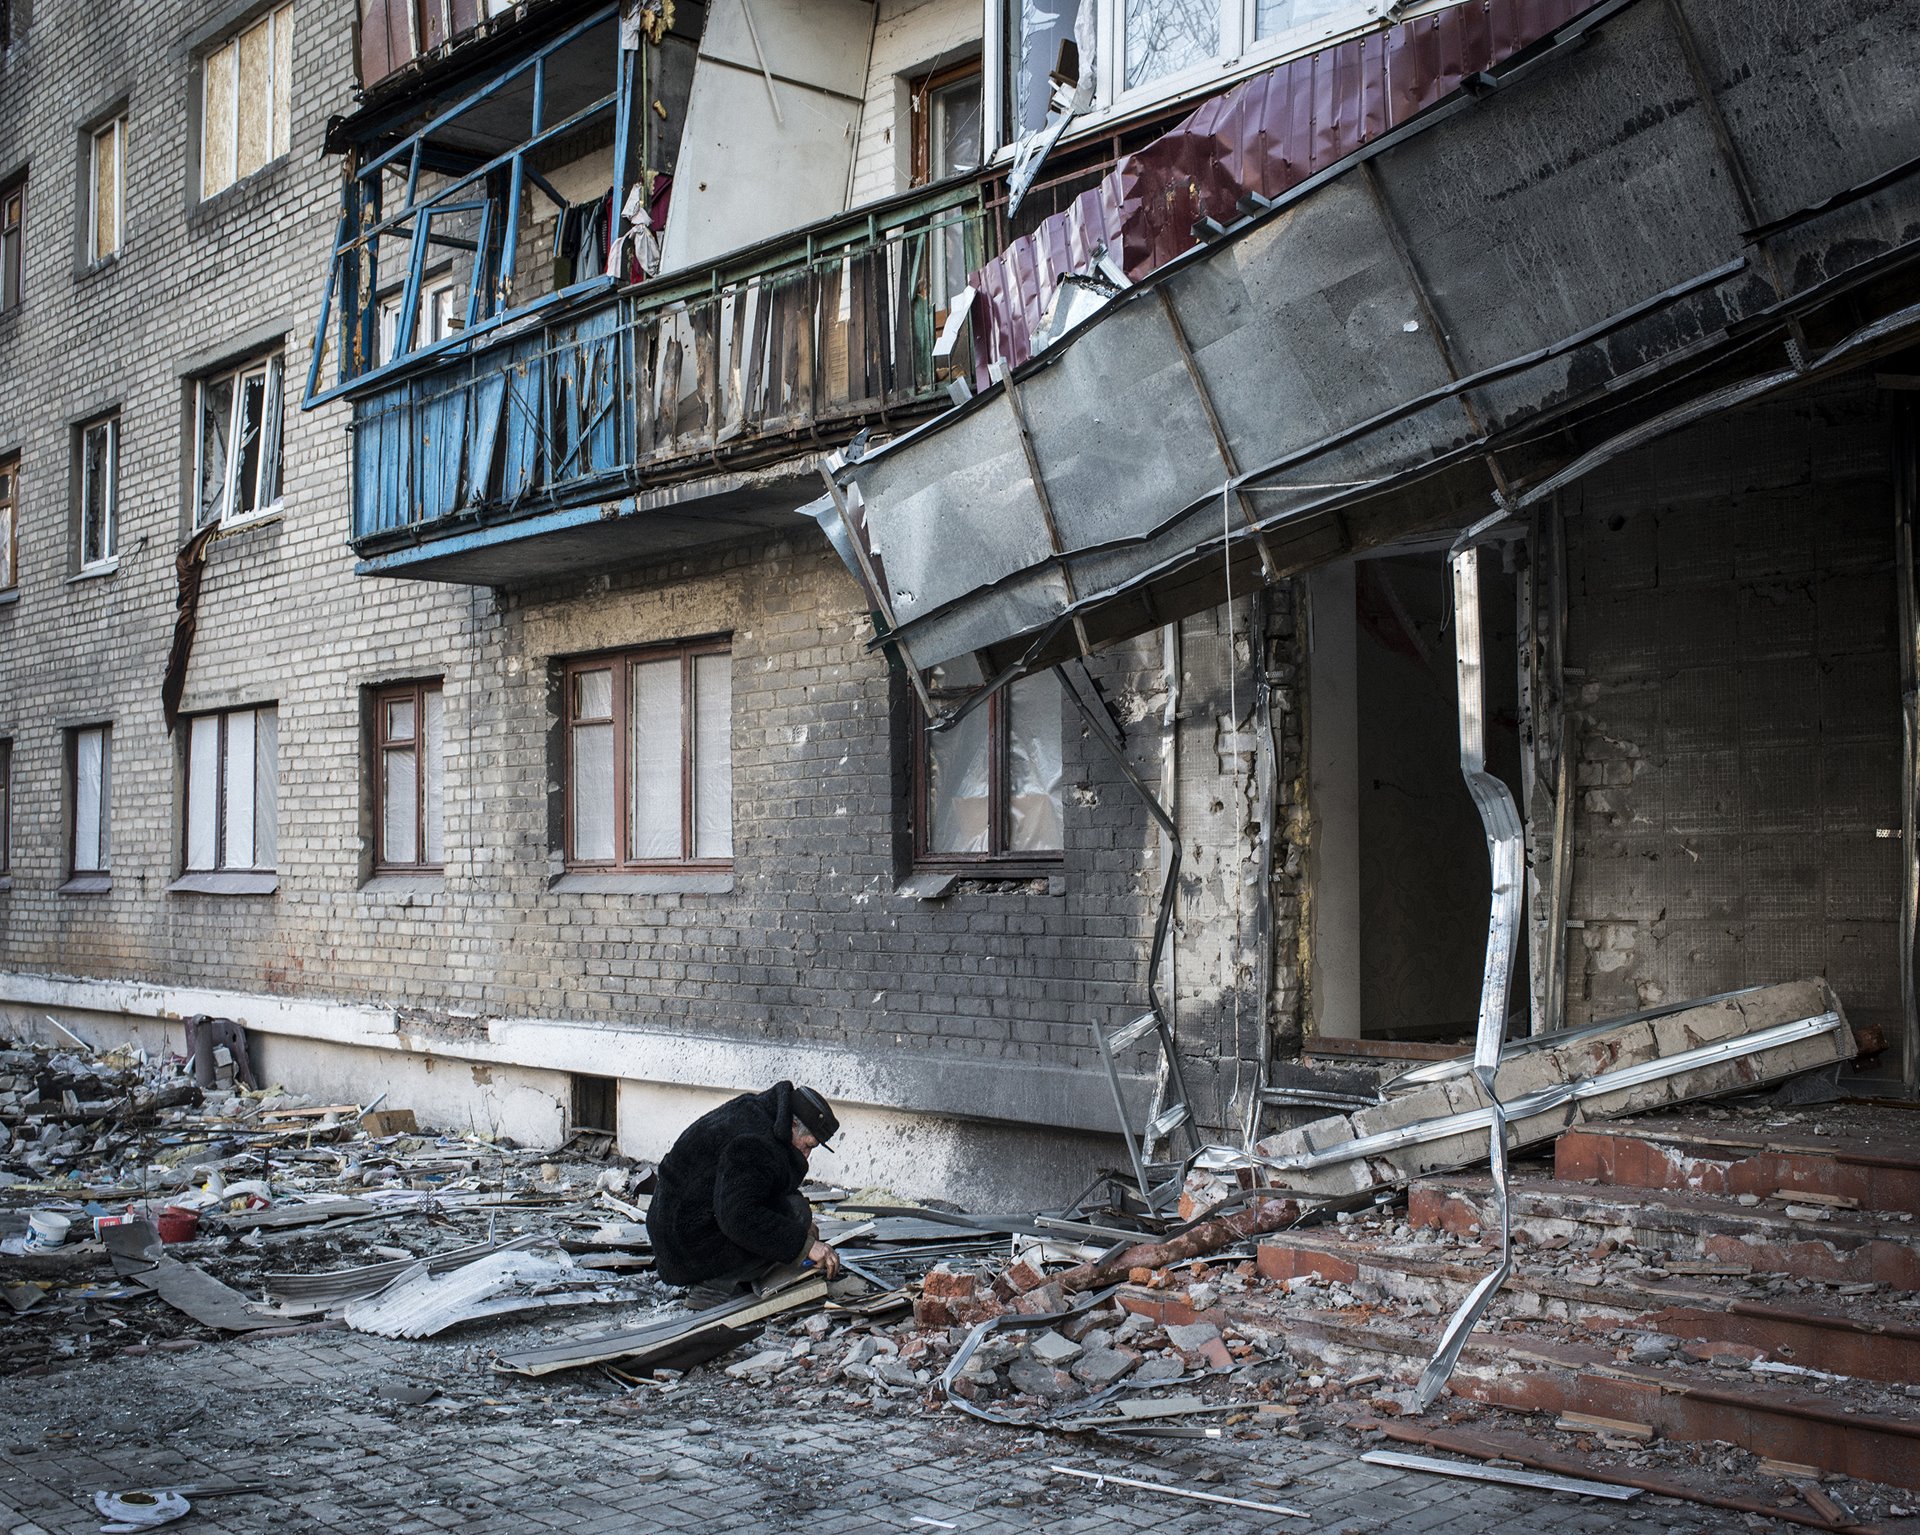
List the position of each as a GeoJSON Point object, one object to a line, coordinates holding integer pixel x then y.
{"type": "Point", "coordinates": [1657, 212]}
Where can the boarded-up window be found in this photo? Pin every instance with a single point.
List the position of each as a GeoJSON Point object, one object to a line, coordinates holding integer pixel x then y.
{"type": "Point", "coordinates": [990, 787]}
{"type": "Point", "coordinates": [106, 177]}
{"type": "Point", "coordinates": [99, 493]}
{"type": "Point", "coordinates": [650, 758]}
{"type": "Point", "coordinates": [233, 788]}
{"type": "Point", "coordinates": [409, 771]}
{"type": "Point", "coordinates": [237, 443]}
{"type": "Point", "coordinates": [245, 101]}
{"type": "Point", "coordinates": [9, 524]}
{"type": "Point", "coordinates": [90, 776]}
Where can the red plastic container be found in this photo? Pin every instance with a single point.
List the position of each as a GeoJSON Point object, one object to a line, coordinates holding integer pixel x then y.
{"type": "Point", "coordinates": [177, 1225]}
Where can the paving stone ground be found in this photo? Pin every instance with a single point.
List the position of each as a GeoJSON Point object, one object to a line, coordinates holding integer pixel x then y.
{"type": "Point", "coordinates": [496, 1455]}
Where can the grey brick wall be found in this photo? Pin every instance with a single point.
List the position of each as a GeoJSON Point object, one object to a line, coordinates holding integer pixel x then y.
{"type": "Point", "coordinates": [812, 943]}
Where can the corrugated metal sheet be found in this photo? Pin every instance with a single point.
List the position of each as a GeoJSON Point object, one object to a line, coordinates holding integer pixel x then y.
{"type": "Point", "coordinates": [1264, 137]}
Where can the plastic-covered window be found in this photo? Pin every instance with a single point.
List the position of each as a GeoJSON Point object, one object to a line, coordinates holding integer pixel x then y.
{"type": "Point", "coordinates": [991, 786]}
{"type": "Point", "coordinates": [233, 791]}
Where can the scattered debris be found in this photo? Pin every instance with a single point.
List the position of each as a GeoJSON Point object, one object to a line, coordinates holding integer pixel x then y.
{"type": "Point", "coordinates": [1511, 1476]}
{"type": "Point", "coordinates": [1104, 1477]}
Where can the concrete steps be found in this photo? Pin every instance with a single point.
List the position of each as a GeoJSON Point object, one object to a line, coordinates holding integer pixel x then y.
{"type": "Point", "coordinates": [1876, 1169]}
{"type": "Point", "coordinates": [1833, 1246]}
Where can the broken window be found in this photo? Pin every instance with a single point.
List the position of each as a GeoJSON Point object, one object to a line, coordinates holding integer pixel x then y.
{"type": "Point", "coordinates": [233, 788]}
{"type": "Point", "coordinates": [947, 142]}
{"type": "Point", "coordinates": [1035, 32]}
{"type": "Point", "coordinates": [106, 180]}
{"type": "Point", "coordinates": [9, 524]}
{"type": "Point", "coordinates": [991, 786]}
{"type": "Point", "coordinates": [245, 107]}
{"type": "Point", "coordinates": [13, 251]}
{"type": "Point", "coordinates": [1164, 37]}
{"type": "Point", "coordinates": [99, 493]}
{"type": "Point", "coordinates": [436, 318]}
{"type": "Point", "coordinates": [409, 754]}
{"type": "Point", "coordinates": [89, 777]}
{"type": "Point", "coordinates": [237, 444]}
{"type": "Point", "coordinates": [649, 777]}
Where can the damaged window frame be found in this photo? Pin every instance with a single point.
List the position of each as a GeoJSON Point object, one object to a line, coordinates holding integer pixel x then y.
{"type": "Point", "coordinates": [622, 665]}
{"type": "Point", "coordinates": [9, 526]}
{"type": "Point", "coordinates": [13, 242]}
{"type": "Point", "coordinates": [95, 842]}
{"type": "Point", "coordinates": [219, 68]}
{"type": "Point", "coordinates": [429, 812]}
{"type": "Point", "coordinates": [97, 497]}
{"type": "Point", "coordinates": [1001, 860]}
{"type": "Point", "coordinates": [267, 432]}
{"type": "Point", "coordinates": [436, 316]}
{"type": "Point", "coordinates": [1249, 35]}
{"type": "Point", "coordinates": [489, 188]}
{"type": "Point", "coordinates": [105, 236]}
{"type": "Point", "coordinates": [214, 731]}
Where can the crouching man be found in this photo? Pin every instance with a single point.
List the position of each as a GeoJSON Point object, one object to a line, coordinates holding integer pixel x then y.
{"type": "Point", "coordinates": [727, 1205]}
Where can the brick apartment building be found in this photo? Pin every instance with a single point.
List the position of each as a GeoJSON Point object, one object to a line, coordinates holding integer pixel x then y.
{"type": "Point", "coordinates": [516, 743]}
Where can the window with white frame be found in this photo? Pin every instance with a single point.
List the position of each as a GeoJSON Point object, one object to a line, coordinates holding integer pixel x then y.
{"type": "Point", "coordinates": [1149, 48]}
{"type": "Point", "coordinates": [90, 781]}
{"type": "Point", "coordinates": [237, 443]}
{"type": "Point", "coordinates": [245, 101]}
{"type": "Point", "coordinates": [9, 524]}
{"type": "Point", "coordinates": [435, 319]}
{"type": "Point", "coordinates": [99, 493]}
{"type": "Point", "coordinates": [107, 185]}
{"type": "Point", "coordinates": [232, 791]}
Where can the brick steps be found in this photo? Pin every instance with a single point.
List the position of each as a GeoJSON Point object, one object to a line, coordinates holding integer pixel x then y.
{"type": "Point", "coordinates": [1856, 1432]}
{"type": "Point", "coordinates": [1864, 1344]}
{"type": "Point", "coordinates": [1847, 1247]}
{"type": "Point", "coordinates": [1880, 1171]}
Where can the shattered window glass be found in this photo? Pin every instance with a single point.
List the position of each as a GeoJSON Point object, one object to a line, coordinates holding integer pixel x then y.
{"type": "Point", "coordinates": [959, 787]}
{"type": "Point", "coordinates": [9, 523]}
{"type": "Point", "coordinates": [433, 742]}
{"type": "Point", "coordinates": [238, 472]}
{"type": "Point", "coordinates": [1035, 31]}
{"type": "Point", "coordinates": [1275, 18]}
{"type": "Point", "coordinates": [1167, 36]}
{"type": "Point", "coordinates": [98, 493]}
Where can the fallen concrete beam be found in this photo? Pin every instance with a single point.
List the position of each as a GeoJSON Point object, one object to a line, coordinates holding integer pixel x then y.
{"type": "Point", "coordinates": [1724, 1045]}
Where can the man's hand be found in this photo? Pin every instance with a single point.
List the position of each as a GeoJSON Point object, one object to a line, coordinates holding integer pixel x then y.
{"type": "Point", "coordinates": [825, 1259]}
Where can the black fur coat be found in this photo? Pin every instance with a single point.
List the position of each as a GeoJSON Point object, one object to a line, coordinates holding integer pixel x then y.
{"type": "Point", "coordinates": [723, 1198]}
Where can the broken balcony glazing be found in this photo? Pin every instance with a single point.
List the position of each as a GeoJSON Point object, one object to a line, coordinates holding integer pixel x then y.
{"type": "Point", "coordinates": [512, 356]}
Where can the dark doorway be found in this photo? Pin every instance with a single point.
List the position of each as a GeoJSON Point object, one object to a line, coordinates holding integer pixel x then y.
{"type": "Point", "coordinates": [1424, 883]}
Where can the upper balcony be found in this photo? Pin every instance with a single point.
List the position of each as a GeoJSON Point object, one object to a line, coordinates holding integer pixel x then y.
{"type": "Point", "coordinates": [540, 383]}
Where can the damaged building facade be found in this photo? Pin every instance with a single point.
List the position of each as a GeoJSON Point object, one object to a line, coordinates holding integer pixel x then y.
{"type": "Point", "coordinates": [497, 493]}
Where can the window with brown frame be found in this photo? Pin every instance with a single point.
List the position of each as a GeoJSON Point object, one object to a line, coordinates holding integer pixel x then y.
{"type": "Point", "coordinates": [9, 524]}
{"type": "Point", "coordinates": [409, 766]}
{"type": "Point", "coordinates": [649, 770]}
{"type": "Point", "coordinates": [946, 108]}
{"type": "Point", "coordinates": [13, 242]}
{"type": "Point", "coordinates": [989, 790]}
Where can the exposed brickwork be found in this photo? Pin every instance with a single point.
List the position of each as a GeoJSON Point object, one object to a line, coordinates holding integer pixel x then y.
{"type": "Point", "coordinates": [812, 943]}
